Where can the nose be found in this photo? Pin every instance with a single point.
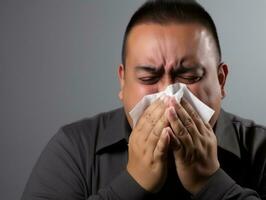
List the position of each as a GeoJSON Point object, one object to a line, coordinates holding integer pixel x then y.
{"type": "Point", "coordinates": [164, 82]}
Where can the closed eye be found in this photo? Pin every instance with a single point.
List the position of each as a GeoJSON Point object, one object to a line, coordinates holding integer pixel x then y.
{"type": "Point", "coordinates": [188, 79]}
{"type": "Point", "coordinates": [149, 80]}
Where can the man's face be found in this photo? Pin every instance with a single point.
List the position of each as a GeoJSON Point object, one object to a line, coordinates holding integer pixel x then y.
{"type": "Point", "coordinates": [160, 55]}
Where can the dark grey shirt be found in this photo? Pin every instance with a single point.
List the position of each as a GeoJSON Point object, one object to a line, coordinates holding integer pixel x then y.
{"type": "Point", "coordinates": [87, 160]}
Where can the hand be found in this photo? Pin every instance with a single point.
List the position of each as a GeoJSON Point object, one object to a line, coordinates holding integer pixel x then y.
{"type": "Point", "coordinates": [196, 153]}
{"type": "Point", "coordinates": [148, 148]}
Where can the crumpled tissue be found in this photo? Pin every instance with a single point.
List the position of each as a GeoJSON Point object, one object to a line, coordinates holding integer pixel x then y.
{"type": "Point", "coordinates": [177, 90]}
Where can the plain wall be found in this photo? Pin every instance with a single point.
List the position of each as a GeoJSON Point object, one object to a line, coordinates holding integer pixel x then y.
{"type": "Point", "coordinates": [58, 62]}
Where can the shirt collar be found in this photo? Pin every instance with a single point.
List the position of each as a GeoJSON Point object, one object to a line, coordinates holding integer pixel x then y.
{"type": "Point", "coordinates": [116, 129]}
{"type": "Point", "coordinates": [226, 133]}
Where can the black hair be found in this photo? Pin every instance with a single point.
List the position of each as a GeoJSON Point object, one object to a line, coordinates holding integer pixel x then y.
{"type": "Point", "coordinates": [169, 11]}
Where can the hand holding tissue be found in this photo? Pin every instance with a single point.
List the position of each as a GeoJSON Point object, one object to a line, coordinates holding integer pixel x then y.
{"type": "Point", "coordinates": [178, 90]}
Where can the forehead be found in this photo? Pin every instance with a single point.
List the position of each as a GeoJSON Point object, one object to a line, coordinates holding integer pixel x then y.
{"type": "Point", "coordinates": [180, 33]}
{"type": "Point", "coordinates": [169, 28]}
{"type": "Point", "coordinates": [170, 40]}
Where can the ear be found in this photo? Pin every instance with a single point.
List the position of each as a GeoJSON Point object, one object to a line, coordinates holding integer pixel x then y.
{"type": "Point", "coordinates": [222, 76]}
{"type": "Point", "coordinates": [121, 76]}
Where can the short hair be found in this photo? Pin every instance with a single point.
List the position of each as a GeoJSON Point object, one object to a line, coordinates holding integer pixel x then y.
{"type": "Point", "coordinates": [169, 11]}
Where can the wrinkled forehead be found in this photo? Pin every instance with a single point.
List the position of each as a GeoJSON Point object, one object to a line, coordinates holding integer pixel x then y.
{"type": "Point", "coordinates": [169, 42]}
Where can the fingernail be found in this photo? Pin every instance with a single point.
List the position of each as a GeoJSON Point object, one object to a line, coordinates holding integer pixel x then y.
{"type": "Point", "coordinates": [162, 97]}
{"type": "Point", "coordinates": [172, 113]}
{"type": "Point", "coordinates": [164, 132]}
{"type": "Point", "coordinates": [166, 99]}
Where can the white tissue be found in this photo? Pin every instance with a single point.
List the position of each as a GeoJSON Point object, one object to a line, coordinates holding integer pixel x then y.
{"type": "Point", "coordinates": [177, 90]}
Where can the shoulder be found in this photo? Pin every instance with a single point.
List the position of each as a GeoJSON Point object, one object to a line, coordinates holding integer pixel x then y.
{"type": "Point", "coordinates": [90, 125]}
{"type": "Point", "coordinates": [84, 134]}
{"type": "Point", "coordinates": [246, 125]}
{"type": "Point", "coordinates": [250, 135]}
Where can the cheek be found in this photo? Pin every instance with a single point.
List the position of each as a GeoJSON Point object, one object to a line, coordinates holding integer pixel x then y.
{"type": "Point", "coordinates": [133, 92]}
{"type": "Point", "coordinates": [208, 93]}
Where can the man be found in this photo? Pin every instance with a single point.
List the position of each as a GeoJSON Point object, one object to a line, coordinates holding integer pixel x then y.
{"type": "Point", "coordinates": [170, 153]}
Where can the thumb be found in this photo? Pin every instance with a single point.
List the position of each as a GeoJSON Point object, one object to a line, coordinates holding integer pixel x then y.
{"type": "Point", "coordinates": [161, 149]}
{"type": "Point", "coordinates": [175, 143]}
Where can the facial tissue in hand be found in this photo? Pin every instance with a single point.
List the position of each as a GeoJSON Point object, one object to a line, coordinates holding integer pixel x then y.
{"type": "Point", "coordinates": [178, 91]}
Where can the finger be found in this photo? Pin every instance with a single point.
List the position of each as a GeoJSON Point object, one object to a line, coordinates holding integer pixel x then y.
{"type": "Point", "coordinates": [195, 116]}
{"type": "Point", "coordinates": [161, 150]}
{"type": "Point", "coordinates": [148, 112]}
{"type": "Point", "coordinates": [176, 146]}
{"type": "Point", "coordinates": [187, 121]}
{"type": "Point", "coordinates": [149, 119]}
{"type": "Point", "coordinates": [180, 133]}
{"type": "Point", "coordinates": [155, 134]}
{"type": "Point", "coordinates": [154, 122]}
{"type": "Point", "coordinates": [175, 143]}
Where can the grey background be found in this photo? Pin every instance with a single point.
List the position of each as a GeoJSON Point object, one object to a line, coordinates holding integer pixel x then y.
{"type": "Point", "coordinates": [58, 61]}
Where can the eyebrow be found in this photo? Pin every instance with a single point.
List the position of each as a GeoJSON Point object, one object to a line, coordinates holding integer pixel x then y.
{"type": "Point", "coordinates": [183, 69]}
{"type": "Point", "coordinates": [149, 68]}
{"type": "Point", "coordinates": [179, 70]}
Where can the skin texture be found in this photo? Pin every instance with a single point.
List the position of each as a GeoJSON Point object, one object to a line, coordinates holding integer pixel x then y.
{"type": "Point", "coordinates": [157, 56]}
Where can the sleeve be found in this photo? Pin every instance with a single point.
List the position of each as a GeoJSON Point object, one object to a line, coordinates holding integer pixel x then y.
{"type": "Point", "coordinates": [262, 190]}
{"type": "Point", "coordinates": [223, 187]}
{"type": "Point", "coordinates": [58, 175]}
{"type": "Point", "coordinates": [124, 187]}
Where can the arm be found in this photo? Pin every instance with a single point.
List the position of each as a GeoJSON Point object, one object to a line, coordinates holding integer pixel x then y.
{"type": "Point", "coordinates": [221, 186]}
{"type": "Point", "coordinates": [196, 159]}
{"type": "Point", "coordinates": [59, 175]}
{"type": "Point", "coordinates": [148, 148]}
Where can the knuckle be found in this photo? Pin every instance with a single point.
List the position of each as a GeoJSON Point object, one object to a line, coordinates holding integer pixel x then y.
{"type": "Point", "coordinates": [144, 151]}
{"type": "Point", "coordinates": [208, 126]}
{"type": "Point", "coordinates": [156, 133]}
{"type": "Point", "coordinates": [178, 107]}
{"type": "Point", "coordinates": [203, 140]}
{"type": "Point", "coordinates": [176, 128]}
{"type": "Point", "coordinates": [194, 114]}
{"type": "Point", "coordinates": [150, 162]}
{"type": "Point", "coordinates": [163, 121]}
{"type": "Point", "coordinates": [147, 116]}
{"type": "Point", "coordinates": [182, 132]}
{"type": "Point", "coordinates": [188, 123]}
{"type": "Point", "coordinates": [149, 119]}
{"type": "Point", "coordinates": [139, 127]}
